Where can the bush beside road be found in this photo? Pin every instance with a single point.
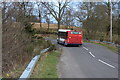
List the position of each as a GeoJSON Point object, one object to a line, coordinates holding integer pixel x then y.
{"type": "Point", "coordinates": [32, 49]}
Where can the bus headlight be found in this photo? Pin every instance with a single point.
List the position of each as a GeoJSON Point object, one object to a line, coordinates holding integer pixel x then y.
{"type": "Point", "coordinates": [68, 40]}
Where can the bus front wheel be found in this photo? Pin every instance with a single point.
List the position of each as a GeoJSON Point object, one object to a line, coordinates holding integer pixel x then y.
{"type": "Point", "coordinates": [65, 44]}
{"type": "Point", "coordinates": [58, 42]}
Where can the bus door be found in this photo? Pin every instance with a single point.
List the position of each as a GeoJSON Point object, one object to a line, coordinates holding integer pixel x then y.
{"type": "Point", "coordinates": [62, 36]}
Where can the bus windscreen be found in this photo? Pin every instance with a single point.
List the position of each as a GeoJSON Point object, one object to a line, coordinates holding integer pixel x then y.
{"type": "Point", "coordinates": [75, 33]}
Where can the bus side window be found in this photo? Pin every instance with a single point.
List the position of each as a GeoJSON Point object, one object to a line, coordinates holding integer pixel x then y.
{"type": "Point", "coordinates": [63, 35]}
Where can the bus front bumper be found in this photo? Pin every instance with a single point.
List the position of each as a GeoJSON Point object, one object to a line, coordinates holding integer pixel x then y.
{"type": "Point", "coordinates": [74, 44]}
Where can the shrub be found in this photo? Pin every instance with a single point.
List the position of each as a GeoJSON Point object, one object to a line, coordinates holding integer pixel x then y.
{"type": "Point", "coordinates": [28, 27]}
{"type": "Point", "coordinates": [52, 47]}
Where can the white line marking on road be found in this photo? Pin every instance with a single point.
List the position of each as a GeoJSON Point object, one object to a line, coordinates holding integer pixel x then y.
{"type": "Point", "coordinates": [85, 48]}
{"type": "Point", "coordinates": [91, 54]}
{"type": "Point", "coordinates": [106, 63]}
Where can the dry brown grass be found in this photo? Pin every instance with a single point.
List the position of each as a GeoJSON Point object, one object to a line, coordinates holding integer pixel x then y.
{"type": "Point", "coordinates": [52, 26]}
{"type": "Point", "coordinates": [14, 43]}
{"type": "Point", "coordinates": [45, 25]}
{"type": "Point", "coordinates": [18, 48]}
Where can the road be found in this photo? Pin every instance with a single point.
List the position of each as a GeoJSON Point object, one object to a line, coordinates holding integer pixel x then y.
{"type": "Point", "coordinates": [88, 61]}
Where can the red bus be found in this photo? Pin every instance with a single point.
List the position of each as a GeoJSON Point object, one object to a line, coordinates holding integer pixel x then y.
{"type": "Point", "coordinates": [69, 37]}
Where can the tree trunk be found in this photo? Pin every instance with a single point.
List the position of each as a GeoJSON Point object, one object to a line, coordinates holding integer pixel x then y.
{"type": "Point", "coordinates": [40, 19]}
{"type": "Point", "coordinates": [58, 24]}
{"type": "Point", "coordinates": [40, 24]}
{"type": "Point", "coordinates": [48, 25]}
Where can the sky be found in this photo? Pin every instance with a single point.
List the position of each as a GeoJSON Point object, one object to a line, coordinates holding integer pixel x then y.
{"type": "Point", "coordinates": [73, 4]}
{"type": "Point", "coordinates": [57, 0]}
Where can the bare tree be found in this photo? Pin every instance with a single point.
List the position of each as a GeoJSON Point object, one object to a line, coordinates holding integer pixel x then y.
{"type": "Point", "coordinates": [68, 17]}
{"type": "Point", "coordinates": [16, 17]}
{"type": "Point", "coordinates": [40, 13]}
{"type": "Point", "coordinates": [48, 20]}
{"type": "Point", "coordinates": [80, 13]}
{"type": "Point", "coordinates": [56, 11]}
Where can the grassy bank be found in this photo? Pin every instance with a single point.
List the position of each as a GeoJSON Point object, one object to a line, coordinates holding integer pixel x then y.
{"type": "Point", "coordinates": [31, 50]}
{"type": "Point", "coordinates": [109, 46]}
{"type": "Point", "coordinates": [47, 66]}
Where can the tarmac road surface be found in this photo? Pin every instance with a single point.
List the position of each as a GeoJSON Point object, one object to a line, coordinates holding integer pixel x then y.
{"type": "Point", "coordinates": [88, 61]}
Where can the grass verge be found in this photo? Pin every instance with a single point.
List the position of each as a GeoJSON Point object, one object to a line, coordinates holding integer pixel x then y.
{"type": "Point", "coordinates": [109, 46]}
{"type": "Point", "coordinates": [47, 66]}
